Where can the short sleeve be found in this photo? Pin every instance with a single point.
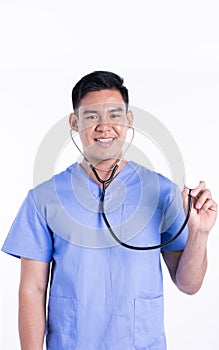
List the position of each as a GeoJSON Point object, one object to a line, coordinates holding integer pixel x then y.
{"type": "Point", "coordinates": [173, 220]}
{"type": "Point", "coordinates": [29, 236]}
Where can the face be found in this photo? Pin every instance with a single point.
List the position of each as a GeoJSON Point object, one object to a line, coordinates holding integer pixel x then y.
{"type": "Point", "coordinates": [102, 122]}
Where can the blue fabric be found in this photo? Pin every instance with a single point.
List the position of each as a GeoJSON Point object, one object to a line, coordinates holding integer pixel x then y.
{"type": "Point", "coordinates": [102, 296]}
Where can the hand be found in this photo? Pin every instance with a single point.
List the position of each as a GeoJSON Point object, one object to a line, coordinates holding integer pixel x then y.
{"type": "Point", "coordinates": [204, 210]}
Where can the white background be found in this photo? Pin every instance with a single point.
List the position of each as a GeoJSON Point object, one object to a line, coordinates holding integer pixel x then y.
{"type": "Point", "coordinates": [168, 54]}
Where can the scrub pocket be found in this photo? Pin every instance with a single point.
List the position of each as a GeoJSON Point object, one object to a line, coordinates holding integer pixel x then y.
{"type": "Point", "coordinates": [149, 328]}
{"type": "Point", "coordinates": [61, 328]}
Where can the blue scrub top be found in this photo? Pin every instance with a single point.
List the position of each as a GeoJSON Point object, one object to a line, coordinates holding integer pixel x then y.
{"type": "Point", "coordinates": [102, 296]}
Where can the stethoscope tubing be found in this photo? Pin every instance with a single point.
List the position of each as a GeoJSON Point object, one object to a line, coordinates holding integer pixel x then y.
{"type": "Point", "coordinates": [116, 238]}
{"type": "Point", "coordinates": [102, 210]}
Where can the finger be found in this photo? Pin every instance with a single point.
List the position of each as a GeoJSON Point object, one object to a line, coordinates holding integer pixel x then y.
{"type": "Point", "coordinates": [209, 205]}
{"type": "Point", "coordinates": [185, 197]}
{"type": "Point", "coordinates": [201, 187]}
{"type": "Point", "coordinates": [194, 191]}
{"type": "Point", "coordinates": [201, 198]}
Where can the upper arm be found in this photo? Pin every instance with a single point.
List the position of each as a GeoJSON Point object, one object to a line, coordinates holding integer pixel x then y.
{"type": "Point", "coordinates": [171, 258]}
{"type": "Point", "coordinates": [34, 275]}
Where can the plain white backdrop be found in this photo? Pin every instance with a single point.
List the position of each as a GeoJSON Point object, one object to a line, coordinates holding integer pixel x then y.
{"type": "Point", "coordinates": [168, 54]}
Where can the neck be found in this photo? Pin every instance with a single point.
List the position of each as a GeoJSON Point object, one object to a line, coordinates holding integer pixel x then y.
{"type": "Point", "coordinates": [103, 168]}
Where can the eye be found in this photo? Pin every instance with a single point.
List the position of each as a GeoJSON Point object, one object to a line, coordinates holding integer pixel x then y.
{"type": "Point", "coordinates": [91, 117]}
{"type": "Point", "coordinates": [115, 116]}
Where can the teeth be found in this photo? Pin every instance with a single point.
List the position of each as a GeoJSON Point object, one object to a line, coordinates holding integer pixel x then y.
{"type": "Point", "coordinates": [105, 140]}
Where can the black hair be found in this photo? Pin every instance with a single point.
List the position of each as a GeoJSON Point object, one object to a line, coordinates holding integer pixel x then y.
{"type": "Point", "coordinates": [96, 81]}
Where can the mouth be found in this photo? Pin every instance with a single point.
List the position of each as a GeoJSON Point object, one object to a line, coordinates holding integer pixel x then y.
{"type": "Point", "coordinates": [105, 140]}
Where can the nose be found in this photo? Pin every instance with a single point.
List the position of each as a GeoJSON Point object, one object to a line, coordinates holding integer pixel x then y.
{"type": "Point", "coordinates": [104, 126]}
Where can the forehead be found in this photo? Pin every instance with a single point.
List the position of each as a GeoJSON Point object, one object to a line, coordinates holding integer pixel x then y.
{"type": "Point", "coordinates": [102, 99]}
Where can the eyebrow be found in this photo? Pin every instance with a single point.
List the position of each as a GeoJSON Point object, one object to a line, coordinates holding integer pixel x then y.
{"type": "Point", "coordinates": [93, 111]}
{"type": "Point", "coordinates": [119, 109]}
{"type": "Point", "coordinates": [89, 111]}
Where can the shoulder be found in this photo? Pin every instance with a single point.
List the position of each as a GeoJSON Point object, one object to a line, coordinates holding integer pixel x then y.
{"type": "Point", "coordinates": [154, 183]}
{"type": "Point", "coordinates": [47, 191]}
{"type": "Point", "coordinates": [56, 178]}
{"type": "Point", "coordinates": [147, 174]}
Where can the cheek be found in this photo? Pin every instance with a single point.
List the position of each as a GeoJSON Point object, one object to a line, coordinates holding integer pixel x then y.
{"type": "Point", "coordinates": [86, 135]}
{"type": "Point", "coordinates": [122, 131]}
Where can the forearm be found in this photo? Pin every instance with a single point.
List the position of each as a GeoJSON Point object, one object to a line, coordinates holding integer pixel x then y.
{"type": "Point", "coordinates": [32, 319]}
{"type": "Point", "coordinates": [192, 265]}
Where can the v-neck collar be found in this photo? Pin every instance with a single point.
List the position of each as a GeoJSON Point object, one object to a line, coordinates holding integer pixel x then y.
{"type": "Point", "coordinates": [94, 187]}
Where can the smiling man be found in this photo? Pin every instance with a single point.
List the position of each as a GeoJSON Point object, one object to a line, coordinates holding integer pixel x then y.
{"type": "Point", "coordinates": [102, 121]}
{"type": "Point", "coordinates": [102, 295]}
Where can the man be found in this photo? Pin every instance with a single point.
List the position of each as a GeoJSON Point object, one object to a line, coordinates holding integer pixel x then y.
{"type": "Point", "coordinates": [103, 295]}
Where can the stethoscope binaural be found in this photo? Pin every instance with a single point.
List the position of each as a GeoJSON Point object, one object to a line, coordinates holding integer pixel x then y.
{"type": "Point", "coordinates": [104, 183]}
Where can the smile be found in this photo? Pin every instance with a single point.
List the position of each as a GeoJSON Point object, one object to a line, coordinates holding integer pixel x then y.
{"type": "Point", "coordinates": [105, 140]}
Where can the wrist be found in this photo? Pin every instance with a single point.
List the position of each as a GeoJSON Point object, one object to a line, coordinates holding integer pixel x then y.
{"type": "Point", "coordinates": [199, 238]}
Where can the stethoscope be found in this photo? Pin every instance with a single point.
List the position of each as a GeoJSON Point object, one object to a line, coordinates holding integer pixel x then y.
{"type": "Point", "coordinates": [104, 184]}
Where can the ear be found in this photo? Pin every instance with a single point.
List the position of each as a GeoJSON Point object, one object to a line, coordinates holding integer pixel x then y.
{"type": "Point", "coordinates": [73, 121]}
{"type": "Point", "coordinates": [130, 118]}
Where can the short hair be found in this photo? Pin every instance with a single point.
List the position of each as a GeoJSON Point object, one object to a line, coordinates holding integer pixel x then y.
{"type": "Point", "coordinates": [96, 81]}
